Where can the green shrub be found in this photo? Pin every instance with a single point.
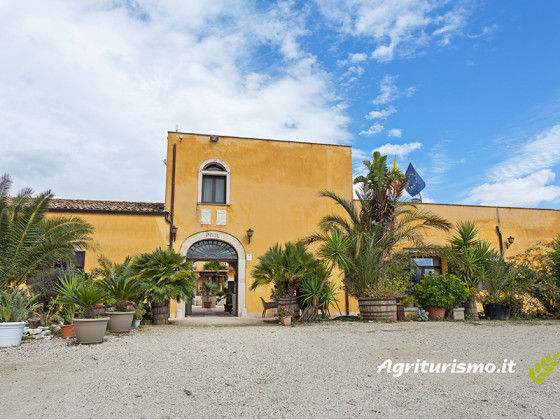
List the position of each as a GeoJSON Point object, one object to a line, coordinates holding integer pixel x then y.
{"type": "Point", "coordinates": [440, 291]}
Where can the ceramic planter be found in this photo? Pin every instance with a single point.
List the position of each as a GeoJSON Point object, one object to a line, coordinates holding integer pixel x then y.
{"type": "Point", "coordinates": [67, 331]}
{"type": "Point", "coordinates": [458, 314]}
{"type": "Point", "coordinates": [90, 331]}
{"type": "Point", "coordinates": [436, 314]}
{"type": "Point", "coordinates": [120, 321]}
{"type": "Point", "coordinates": [135, 323]}
{"type": "Point", "coordinates": [11, 333]}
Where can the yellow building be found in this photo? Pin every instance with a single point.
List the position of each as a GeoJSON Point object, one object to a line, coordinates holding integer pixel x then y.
{"type": "Point", "coordinates": [229, 199]}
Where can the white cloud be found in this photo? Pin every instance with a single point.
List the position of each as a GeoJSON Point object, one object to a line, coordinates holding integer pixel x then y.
{"type": "Point", "coordinates": [94, 86]}
{"type": "Point", "coordinates": [389, 91]}
{"type": "Point", "coordinates": [525, 191]}
{"type": "Point", "coordinates": [400, 150]}
{"type": "Point", "coordinates": [394, 132]}
{"type": "Point", "coordinates": [374, 129]}
{"type": "Point", "coordinates": [382, 114]}
{"type": "Point", "coordinates": [524, 178]}
{"type": "Point", "coordinates": [357, 58]}
{"type": "Point", "coordinates": [542, 151]}
{"type": "Point", "coordinates": [397, 28]}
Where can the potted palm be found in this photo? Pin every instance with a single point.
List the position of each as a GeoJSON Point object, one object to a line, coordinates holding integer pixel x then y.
{"type": "Point", "coordinates": [440, 293]}
{"type": "Point", "coordinates": [119, 285]}
{"type": "Point", "coordinates": [164, 275]}
{"type": "Point", "coordinates": [283, 268]}
{"type": "Point", "coordinates": [209, 294]}
{"type": "Point", "coordinates": [15, 307]}
{"type": "Point", "coordinates": [378, 232]}
{"type": "Point", "coordinates": [503, 282]}
{"type": "Point", "coordinates": [84, 294]}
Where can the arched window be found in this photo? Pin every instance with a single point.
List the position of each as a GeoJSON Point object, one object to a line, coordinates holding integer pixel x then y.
{"type": "Point", "coordinates": [214, 182]}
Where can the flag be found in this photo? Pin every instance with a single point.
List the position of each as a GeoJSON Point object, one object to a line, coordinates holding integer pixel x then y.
{"type": "Point", "coordinates": [415, 183]}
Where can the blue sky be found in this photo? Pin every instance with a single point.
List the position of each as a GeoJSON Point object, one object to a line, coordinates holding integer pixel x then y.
{"type": "Point", "coordinates": [467, 91]}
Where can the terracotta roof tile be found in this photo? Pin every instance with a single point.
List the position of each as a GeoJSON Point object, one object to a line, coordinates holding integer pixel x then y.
{"type": "Point", "coordinates": [63, 204]}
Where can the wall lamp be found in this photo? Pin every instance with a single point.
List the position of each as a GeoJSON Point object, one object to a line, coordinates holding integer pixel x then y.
{"type": "Point", "coordinates": [249, 234]}
{"type": "Point", "coordinates": [174, 230]}
{"type": "Point", "coordinates": [509, 241]}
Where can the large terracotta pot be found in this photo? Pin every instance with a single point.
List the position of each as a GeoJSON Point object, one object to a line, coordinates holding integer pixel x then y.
{"type": "Point", "coordinates": [373, 309]}
{"type": "Point", "coordinates": [120, 321]}
{"type": "Point", "coordinates": [436, 314]}
{"type": "Point", "coordinates": [90, 331]}
{"type": "Point", "coordinates": [11, 333]}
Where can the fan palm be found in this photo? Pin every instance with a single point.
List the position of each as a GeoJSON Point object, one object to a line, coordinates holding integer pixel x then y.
{"type": "Point", "coordinates": [165, 275]}
{"type": "Point", "coordinates": [283, 267]}
{"type": "Point", "coordinates": [29, 241]}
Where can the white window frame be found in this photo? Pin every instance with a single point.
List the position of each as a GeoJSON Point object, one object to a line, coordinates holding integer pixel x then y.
{"type": "Point", "coordinates": [227, 175]}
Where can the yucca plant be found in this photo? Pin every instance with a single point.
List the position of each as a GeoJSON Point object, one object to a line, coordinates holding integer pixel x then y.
{"type": "Point", "coordinates": [118, 282]}
{"type": "Point", "coordinates": [16, 305]}
{"type": "Point", "coordinates": [82, 292]}
{"type": "Point", "coordinates": [29, 241]}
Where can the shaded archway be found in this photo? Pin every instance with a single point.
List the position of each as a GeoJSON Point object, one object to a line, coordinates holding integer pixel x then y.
{"type": "Point", "coordinates": [219, 243]}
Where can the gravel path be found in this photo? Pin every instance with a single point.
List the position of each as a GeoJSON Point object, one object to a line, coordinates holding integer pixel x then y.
{"type": "Point", "coordinates": [265, 370]}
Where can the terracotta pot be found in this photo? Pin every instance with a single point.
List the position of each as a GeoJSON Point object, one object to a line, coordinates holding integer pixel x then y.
{"type": "Point", "coordinates": [436, 314]}
{"type": "Point", "coordinates": [90, 331]}
{"type": "Point", "coordinates": [120, 321]}
{"type": "Point", "coordinates": [286, 321]}
{"type": "Point", "coordinates": [207, 304]}
{"type": "Point", "coordinates": [68, 331]}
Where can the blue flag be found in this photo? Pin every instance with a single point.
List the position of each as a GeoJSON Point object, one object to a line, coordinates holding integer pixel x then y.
{"type": "Point", "coordinates": [415, 183]}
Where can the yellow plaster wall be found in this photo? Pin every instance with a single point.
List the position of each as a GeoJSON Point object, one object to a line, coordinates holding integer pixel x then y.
{"type": "Point", "coordinates": [527, 226]}
{"type": "Point", "coordinates": [274, 191]}
{"type": "Point", "coordinates": [118, 235]}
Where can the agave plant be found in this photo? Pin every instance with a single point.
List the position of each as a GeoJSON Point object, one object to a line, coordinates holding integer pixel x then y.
{"type": "Point", "coordinates": [118, 282]}
{"type": "Point", "coordinates": [16, 305]}
{"type": "Point", "coordinates": [30, 242]}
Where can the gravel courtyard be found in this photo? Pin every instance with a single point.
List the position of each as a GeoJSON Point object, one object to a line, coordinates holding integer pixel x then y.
{"type": "Point", "coordinates": [199, 368]}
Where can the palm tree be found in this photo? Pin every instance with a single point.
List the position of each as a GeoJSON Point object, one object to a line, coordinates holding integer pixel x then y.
{"type": "Point", "coordinates": [29, 241]}
{"type": "Point", "coordinates": [283, 267]}
{"type": "Point", "coordinates": [380, 231]}
{"type": "Point", "coordinates": [165, 275]}
{"type": "Point", "coordinates": [468, 257]}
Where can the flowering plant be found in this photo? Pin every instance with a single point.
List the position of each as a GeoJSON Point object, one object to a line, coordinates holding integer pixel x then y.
{"type": "Point", "coordinates": [284, 312]}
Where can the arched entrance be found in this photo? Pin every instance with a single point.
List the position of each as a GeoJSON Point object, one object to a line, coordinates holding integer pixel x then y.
{"type": "Point", "coordinates": [219, 246]}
